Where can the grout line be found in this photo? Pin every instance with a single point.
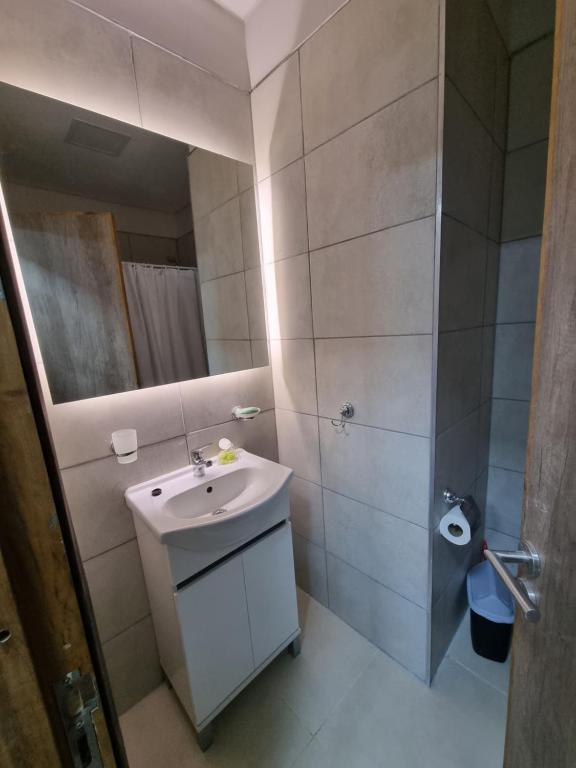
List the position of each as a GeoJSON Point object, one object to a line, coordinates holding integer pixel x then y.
{"type": "Point", "coordinates": [526, 146]}
{"type": "Point", "coordinates": [355, 423]}
{"type": "Point", "coordinates": [375, 336]}
{"type": "Point", "coordinates": [135, 80]}
{"type": "Point", "coordinates": [475, 674]}
{"type": "Point", "coordinates": [532, 42]}
{"type": "Point", "coordinates": [477, 116]}
{"type": "Point", "coordinates": [452, 217]}
{"type": "Point", "coordinates": [110, 549]}
{"type": "Point", "coordinates": [122, 631]}
{"type": "Point", "coordinates": [140, 447]}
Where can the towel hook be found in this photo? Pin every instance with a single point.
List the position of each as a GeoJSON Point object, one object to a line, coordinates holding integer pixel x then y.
{"type": "Point", "coordinates": [346, 412]}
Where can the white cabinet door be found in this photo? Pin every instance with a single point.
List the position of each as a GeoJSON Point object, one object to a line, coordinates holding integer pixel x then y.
{"type": "Point", "coordinates": [271, 592]}
{"type": "Point", "coordinates": [216, 635]}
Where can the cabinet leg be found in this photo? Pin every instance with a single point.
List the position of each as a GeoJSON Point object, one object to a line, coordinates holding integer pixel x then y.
{"type": "Point", "coordinates": [205, 737]}
{"type": "Point", "coordinates": [295, 646]}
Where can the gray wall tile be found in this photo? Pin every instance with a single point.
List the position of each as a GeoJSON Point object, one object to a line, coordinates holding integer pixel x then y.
{"type": "Point", "coordinates": [283, 222]}
{"type": "Point", "coordinates": [504, 501]}
{"type": "Point", "coordinates": [391, 622]}
{"type": "Point", "coordinates": [255, 303]}
{"type": "Point", "coordinates": [310, 566]}
{"type": "Point", "coordinates": [213, 181]}
{"type": "Point", "coordinates": [307, 510]}
{"type": "Point", "coordinates": [451, 562]}
{"type": "Point", "coordinates": [388, 379]}
{"type": "Point", "coordinates": [294, 375]}
{"type": "Point", "coordinates": [360, 183]}
{"type": "Point", "coordinates": [277, 118]}
{"type": "Point", "coordinates": [95, 494]}
{"type": "Point", "coordinates": [488, 341]}
{"type": "Point", "coordinates": [387, 470]}
{"type": "Point", "coordinates": [462, 274]}
{"type": "Point", "coordinates": [377, 285]}
{"type": "Point", "coordinates": [459, 375]}
{"type": "Point", "coordinates": [383, 51]}
{"type": "Point", "coordinates": [509, 434]}
{"type": "Point", "coordinates": [298, 443]}
{"type": "Point", "coordinates": [256, 435]}
{"type": "Point", "coordinates": [530, 94]}
{"type": "Point", "coordinates": [117, 589]}
{"type": "Point", "coordinates": [224, 308]}
{"type": "Point", "coordinates": [456, 457]}
{"type": "Point", "coordinates": [492, 279]}
{"type": "Point", "coordinates": [219, 241]}
{"type": "Point", "coordinates": [513, 361]}
{"type": "Point", "coordinates": [392, 551]}
{"type": "Point", "coordinates": [522, 21]}
{"type": "Point", "coordinates": [518, 281]}
{"type": "Point", "coordinates": [524, 187]}
{"type": "Point", "coordinates": [249, 226]}
{"type": "Point", "coordinates": [133, 664]}
{"type": "Point", "coordinates": [288, 298]}
{"type": "Point", "coordinates": [228, 356]}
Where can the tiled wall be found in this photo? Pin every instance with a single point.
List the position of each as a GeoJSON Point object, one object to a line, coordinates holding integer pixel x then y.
{"type": "Point", "coordinates": [226, 229]}
{"type": "Point", "coordinates": [475, 108]}
{"type": "Point", "coordinates": [77, 57]}
{"type": "Point", "coordinates": [523, 210]}
{"type": "Point", "coordinates": [346, 155]}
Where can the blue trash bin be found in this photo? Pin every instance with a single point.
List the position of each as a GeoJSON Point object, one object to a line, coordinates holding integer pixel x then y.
{"type": "Point", "coordinates": [491, 612]}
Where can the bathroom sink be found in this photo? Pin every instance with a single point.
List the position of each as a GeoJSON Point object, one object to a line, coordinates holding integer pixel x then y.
{"type": "Point", "coordinates": [229, 505]}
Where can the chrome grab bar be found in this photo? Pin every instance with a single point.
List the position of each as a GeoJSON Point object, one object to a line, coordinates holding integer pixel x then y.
{"type": "Point", "coordinates": [522, 591]}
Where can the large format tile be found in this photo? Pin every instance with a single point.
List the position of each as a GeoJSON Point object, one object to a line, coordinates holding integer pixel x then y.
{"type": "Point", "coordinates": [377, 174]}
{"type": "Point", "coordinates": [294, 375]}
{"type": "Point", "coordinates": [117, 589]}
{"type": "Point", "coordinates": [491, 286]}
{"type": "Point", "coordinates": [466, 172]}
{"type": "Point", "coordinates": [530, 94]}
{"type": "Point", "coordinates": [298, 443]}
{"type": "Point", "coordinates": [451, 562]}
{"type": "Point", "coordinates": [513, 361]}
{"type": "Point", "coordinates": [522, 22]}
{"type": "Point", "coordinates": [182, 101]}
{"type": "Point", "coordinates": [391, 622]}
{"type": "Point", "coordinates": [255, 303]}
{"type": "Point", "coordinates": [524, 188]}
{"type": "Point", "coordinates": [224, 308]}
{"type": "Point", "coordinates": [310, 568]}
{"type": "Point", "coordinates": [210, 400]}
{"type": "Point", "coordinates": [365, 57]}
{"type": "Point", "coordinates": [387, 379]}
{"type": "Point", "coordinates": [392, 551]}
{"type": "Point", "coordinates": [133, 665]}
{"type": "Point", "coordinates": [488, 339]}
{"type": "Point", "coordinates": [518, 281]}
{"type": "Point", "coordinates": [509, 434]}
{"type": "Point", "coordinates": [447, 613]}
{"type": "Point", "coordinates": [213, 181]}
{"type": "Point", "coordinates": [307, 510]}
{"type": "Point", "coordinates": [82, 429]}
{"type": "Point", "coordinates": [377, 285]}
{"type": "Point", "coordinates": [70, 55]}
{"type": "Point", "coordinates": [256, 435]}
{"type": "Point", "coordinates": [387, 470]}
{"type": "Point", "coordinates": [288, 298]}
{"type": "Point", "coordinates": [249, 225]}
{"type": "Point", "coordinates": [282, 203]}
{"type": "Point", "coordinates": [95, 494]}
{"type": "Point", "coordinates": [462, 276]}
{"type": "Point", "coordinates": [504, 501]}
{"type": "Point", "coordinates": [459, 375]}
{"type": "Point", "coordinates": [227, 356]}
{"type": "Point", "coordinates": [219, 242]}
{"type": "Point", "coordinates": [277, 118]}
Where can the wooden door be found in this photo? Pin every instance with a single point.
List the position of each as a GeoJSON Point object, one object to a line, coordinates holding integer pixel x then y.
{"type": "Point", "coordinates": [38, 574]}
{"type": "Point", "coordinates": [76, 292]}
{"type": "Point", "coordinates": [542, 706]}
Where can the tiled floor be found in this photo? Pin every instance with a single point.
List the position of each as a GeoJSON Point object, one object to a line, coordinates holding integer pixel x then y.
{"type": "Point", "coordinates": [341, 704]}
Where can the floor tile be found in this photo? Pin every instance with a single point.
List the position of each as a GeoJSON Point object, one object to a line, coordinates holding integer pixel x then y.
{"type": "Point", "coordinates": [461, 651]}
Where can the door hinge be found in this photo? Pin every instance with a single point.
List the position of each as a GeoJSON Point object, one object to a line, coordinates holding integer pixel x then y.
{"type": "Point", "coordinates": [77, 698]}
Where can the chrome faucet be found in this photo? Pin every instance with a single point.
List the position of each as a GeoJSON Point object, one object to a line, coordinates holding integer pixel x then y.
{"type": "Point", "coordinates": [199, 463]}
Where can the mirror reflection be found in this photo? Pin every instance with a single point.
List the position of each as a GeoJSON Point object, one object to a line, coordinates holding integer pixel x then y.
{"type": "Point", "coordinates": [140, 254]}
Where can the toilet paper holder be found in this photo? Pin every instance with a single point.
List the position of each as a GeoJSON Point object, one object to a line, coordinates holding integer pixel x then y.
{"type": "Point", "coordinates": [450, 498]}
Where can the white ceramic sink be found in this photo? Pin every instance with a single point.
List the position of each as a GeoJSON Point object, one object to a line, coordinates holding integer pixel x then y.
{"type": "Point", "coordinates": [231, 504]}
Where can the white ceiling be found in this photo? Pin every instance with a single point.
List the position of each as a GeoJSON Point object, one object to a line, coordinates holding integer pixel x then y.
{"type": "Point", "coordinates": [240, 8]}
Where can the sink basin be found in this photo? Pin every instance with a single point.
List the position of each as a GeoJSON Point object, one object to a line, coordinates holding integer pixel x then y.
{"type": "Point", "coordinates": [229, 505]}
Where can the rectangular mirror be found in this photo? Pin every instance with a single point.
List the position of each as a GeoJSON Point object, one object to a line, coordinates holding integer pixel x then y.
{"type": "Point", "coordinates": [140, 254]}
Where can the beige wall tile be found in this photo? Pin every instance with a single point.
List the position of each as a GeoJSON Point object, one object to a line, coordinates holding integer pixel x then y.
{"type": "Point", "coordinates": [383, 469]}
{"type": "Point", "coordinates": [380, 284]}
{"type": "Point", "coordinates": [365, 57]}
{"type": "Point", "coordinates": [277, 119]}
{"type": "Point", "coordinates": [82, 430]}
{"type": "Point", "coordinates": [179, 100]}
{"type": "Point", "coordinates": [219, 241]}
{"type": "Point", "coordinates": [378, 174]}
{"type": "Point", "coordinates": [298, 444]}
{"type": "Point", "coordinates": [224, 308]}
{"type": "Point", "coordinates": [288, 298]}
{"type": "Point", "coordinates": [282, 201]}
{"type": "Point", "coordinates": [294, 375]}
{"type": "Point", "coordinates": [70, 55]}
{"type": "Point", "coordinates": [388, 380]}
{"type": "Point", "coordinates": [117, 589]}
{"type": "Point", "coordinates": [95, 494]}
{"type": "Point", "coordinates": [227, 356]}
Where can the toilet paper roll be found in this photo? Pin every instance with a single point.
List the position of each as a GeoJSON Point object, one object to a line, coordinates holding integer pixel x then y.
{"type": "Point", "coordinates": [455, 527]}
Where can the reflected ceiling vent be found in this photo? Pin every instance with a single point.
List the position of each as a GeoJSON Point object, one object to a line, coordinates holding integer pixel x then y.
{"type": "Point", "coordinates": [95, 138]}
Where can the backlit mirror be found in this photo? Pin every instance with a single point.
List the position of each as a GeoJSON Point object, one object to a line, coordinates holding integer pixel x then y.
{"type": "Point", "coordinates": [140, 254]}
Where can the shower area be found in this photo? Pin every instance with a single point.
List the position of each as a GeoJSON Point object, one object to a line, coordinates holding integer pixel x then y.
{"type": "Point", "coordinates": [497, 88]}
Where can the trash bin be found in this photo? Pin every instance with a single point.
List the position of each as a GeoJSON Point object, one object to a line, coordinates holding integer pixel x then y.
{"type": "Point", "coordinates": [491, 612]}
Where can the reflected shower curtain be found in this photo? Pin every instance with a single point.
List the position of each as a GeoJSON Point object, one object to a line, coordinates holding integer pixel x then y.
{"type": "Point", "coordinates": [164, 311]}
